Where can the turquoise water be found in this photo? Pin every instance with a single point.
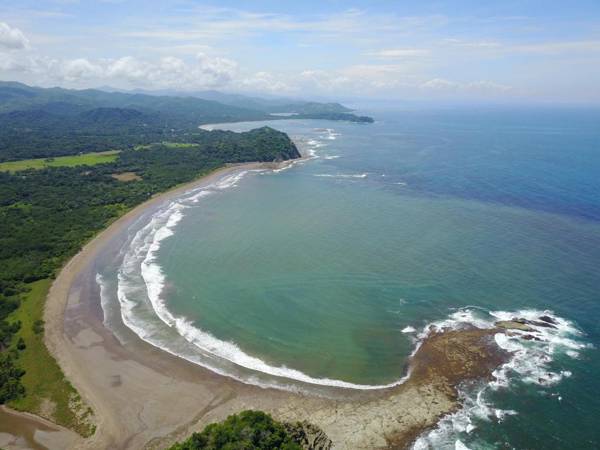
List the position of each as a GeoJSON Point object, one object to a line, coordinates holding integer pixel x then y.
{"type": "Point", "coordinates": [317, 275]}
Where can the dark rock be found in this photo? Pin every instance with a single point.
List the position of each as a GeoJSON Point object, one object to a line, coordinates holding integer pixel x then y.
{"type": "Point", "coordinates": [309, 436]}
{"type": "Point", "coordinates": [514, 324]}
{"type": "Point", "coordinates": [538, 323]}
{"type": "Point", "coordinates": [548, 319]}
{"type": "Point", "coordinates": [531, 337]}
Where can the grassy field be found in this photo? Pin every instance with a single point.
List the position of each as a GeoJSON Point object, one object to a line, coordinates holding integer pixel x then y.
{"type": "Point", "coordinates": [86, 159]}
{"type": "Point", "coordinates": [169, 145]}
{"type": "Point", "coordinates": [179, 145]}
{"type": "Point", "coordinates": [48, 393]}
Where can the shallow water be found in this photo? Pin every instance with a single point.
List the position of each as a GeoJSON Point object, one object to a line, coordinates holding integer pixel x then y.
{"type": "Point", "coordinates": [20, 431]}
{"type": "Point", "coordinates": [318, 274]}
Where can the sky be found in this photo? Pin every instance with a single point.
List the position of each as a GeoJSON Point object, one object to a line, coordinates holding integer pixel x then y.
{"type": "Point", "coordinates": [525, 50]}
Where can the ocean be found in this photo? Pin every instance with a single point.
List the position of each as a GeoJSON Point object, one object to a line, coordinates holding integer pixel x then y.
{"type": "Point", "coordinates": [325, 274]}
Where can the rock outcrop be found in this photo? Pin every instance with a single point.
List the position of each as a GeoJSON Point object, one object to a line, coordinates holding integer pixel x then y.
{"type": "Point", "coordinates": [309, 436]}
{"type": "Point", "coordinates": [517, 323]}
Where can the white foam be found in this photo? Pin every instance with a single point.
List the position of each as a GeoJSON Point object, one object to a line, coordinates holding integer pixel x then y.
{"type": "Point", "coordinates": [331, 134]}
{"type": "Point", "coordinates": [141, 282]}
{"type": "Point", "coordinates": [230, 180]}
{"type": "Point", "coordinates": [200, 195]}
{"type": "Point", "coordinates": [534, 351]}
{"type": "Point", "coordinates": [309, 147]}
{"type": "Point", "coordinates": [205, 341]}
{"type": "Point", "coordinates": [342, 175]}
{"type": "Point", "coordinates": [458, 445]}
{"type": "Point", "coordinates": [103, 296]}
{"type": "Point", "coordinates": [327, 133]}
{"type": "Point", "coordinates": [315, 143]}
{"type": "Point", "coordinates": [143, 250]}
{"type": "Point", "coordinates": [285, 166]}
{"type": "Point", "coordinates": [533, 354]}
{"type": "Point", "coordinates": [330, 157]}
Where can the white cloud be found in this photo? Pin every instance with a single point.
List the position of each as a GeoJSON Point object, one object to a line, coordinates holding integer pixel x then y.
{"type": "Point", "coordinates": [8, 63]}
{"type": "Point", "coordinates": [128, 68]}
{"type": "Point", "coordinates": [552, 48]}
{"type": "Point", "coordinates": [206, 23]}
{"type": "Point", "coordinates": [400, 53]}
{"type": "Point", "coordinates": [541, 48]}
{"type": "Point", "coordinates": [27, 64]}
{"type": "Point", "coordinates": [442, 85]}
{"type": "Point", "coordinates": [203, 71]}
{"type": "Point", "coordinates": [265, 82]}
{"type": "Point", "coordinates": [80, 69]}
{"type": "Point", "coordinates": [219, 70]}
{"type": "Point", "coordinates": [486, 86]}
{"type": "Point", "coordinates": [322, 80]}
{"type": "Point", "coordinates": [167, 72]}
{"type": "Point", "coordinates": [471, 44]}
{"type": "Point", "coordinates": [12, 38]}
{"type": "Point", "coordinates": [439, 84]}
{"type": "Point", "coordinates": [361, 79]}
{"type": "Point", "coordinates": [207, 71]}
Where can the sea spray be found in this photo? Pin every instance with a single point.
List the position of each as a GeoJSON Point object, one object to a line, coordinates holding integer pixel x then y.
{"type": "Point", "coordinates": [532, 352]}
{"type": "Point", "coordinates": [342, 175]}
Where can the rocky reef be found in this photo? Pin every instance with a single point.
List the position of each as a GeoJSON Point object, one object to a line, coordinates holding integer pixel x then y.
{"type": "Point", "coordinates": [309, 436]}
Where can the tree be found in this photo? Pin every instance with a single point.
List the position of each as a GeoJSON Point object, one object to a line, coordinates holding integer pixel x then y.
{"type": "Point", "coordinates": [248, 430]}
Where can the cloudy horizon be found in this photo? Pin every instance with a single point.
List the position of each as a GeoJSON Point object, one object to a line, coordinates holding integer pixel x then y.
{"type": "Point", "coordinates": [462, 50]}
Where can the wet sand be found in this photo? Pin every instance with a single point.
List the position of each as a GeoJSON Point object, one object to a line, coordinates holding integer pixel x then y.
{"type": "Point", "coordinates": [21, 430]}
{"type": "Point", "coordinates": [143, 397]}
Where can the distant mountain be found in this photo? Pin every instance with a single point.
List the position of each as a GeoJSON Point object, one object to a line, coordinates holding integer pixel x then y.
{"type": "Point", "coordinates": [38, 122]}
{"type": "Point", "coordinates": [174, 110]}
{"type": "Point", "coordinates": [268, 105]}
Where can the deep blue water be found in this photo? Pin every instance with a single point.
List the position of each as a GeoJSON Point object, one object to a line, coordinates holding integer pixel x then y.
{"type": "Point", "coordinates": [546, 159]}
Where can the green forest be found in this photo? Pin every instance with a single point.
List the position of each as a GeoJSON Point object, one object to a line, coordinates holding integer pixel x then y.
{"type": "Point", "coordinates": [248, 430]}
{"type": "Point", "coordinates": [41, 123]}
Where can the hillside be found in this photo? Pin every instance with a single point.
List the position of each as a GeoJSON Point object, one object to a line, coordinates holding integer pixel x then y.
{"type": "Point", "coordinates": [41, 123]}
{"type": "Point", "coordinates": [264, 104]}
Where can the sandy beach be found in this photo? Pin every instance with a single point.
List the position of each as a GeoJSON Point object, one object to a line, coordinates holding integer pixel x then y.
{"type": "Point", "coordinates": [143, 397]}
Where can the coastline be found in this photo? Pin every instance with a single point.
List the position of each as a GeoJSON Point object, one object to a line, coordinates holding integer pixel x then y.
{"type": "Point", "coordinates": [132, 387]}
{"type": "Point", "coordinates": [25, 430]}
{"type": "Point", "coordinates": [58, 295]}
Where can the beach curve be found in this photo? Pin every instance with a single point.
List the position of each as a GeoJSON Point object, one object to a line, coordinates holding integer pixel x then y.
{"type": "Point", "coordinates": [58, 296]}
{"type": "Point", "coordinates": [132, 388]}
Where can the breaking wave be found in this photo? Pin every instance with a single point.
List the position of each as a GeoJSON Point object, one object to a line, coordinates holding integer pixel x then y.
{"type": "Point", "coordinates": [140, 292]}
{"type": "Point", "coordinates": [327, 133]}
{"type": "Point", "coordinates": [534, 351]}
{"type": "Point", "coordinates": [140, 289]}
{"type": "Point", "coordinates": [342, 175]}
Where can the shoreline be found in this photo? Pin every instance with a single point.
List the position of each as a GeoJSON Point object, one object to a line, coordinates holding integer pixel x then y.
{"type": "Point", "coordinates": [131, 387]}
{"type": "Point", "coordinates": [18, 428]}
{"type": "Point", "coordinates": [58, 295]}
